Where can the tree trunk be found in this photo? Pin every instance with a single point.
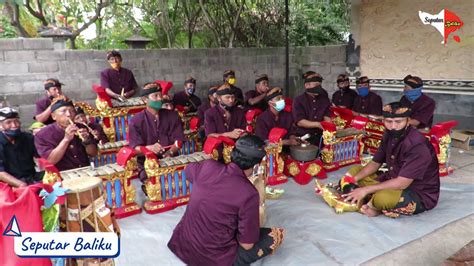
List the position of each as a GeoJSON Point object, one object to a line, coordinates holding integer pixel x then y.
{"type": "Point", "coordinates": [234, 24]}
{"type": "Point", "coordinates": [13, 11]}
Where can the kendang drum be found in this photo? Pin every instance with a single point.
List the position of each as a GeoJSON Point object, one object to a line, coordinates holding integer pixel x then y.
{"type": "Point", "coordinates": [115, 178]}
{"type": "Point", "coordinates": [85, 204]}
{"type": "Point", "coordinates": [85, 211]}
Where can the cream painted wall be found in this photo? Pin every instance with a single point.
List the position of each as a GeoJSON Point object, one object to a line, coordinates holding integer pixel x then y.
{"type": "Point", "coordinates": [394, 42]}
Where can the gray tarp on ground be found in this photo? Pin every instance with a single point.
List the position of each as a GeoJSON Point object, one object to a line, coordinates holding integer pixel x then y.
{"type": "Point", "coordinates": [315, 233]}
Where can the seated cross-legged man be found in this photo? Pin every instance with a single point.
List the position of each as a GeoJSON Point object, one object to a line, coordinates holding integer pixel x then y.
{"type": "Point", "coordinates": [63, 143]}
{"type": "Point", "coordinates": [412, 183]}
{"type": "Point", "coordinates": [221, 224]}
{"type": "Point", "coordinates": [17, 150]}
{"type": "Point", "coordinates": [154, 128]}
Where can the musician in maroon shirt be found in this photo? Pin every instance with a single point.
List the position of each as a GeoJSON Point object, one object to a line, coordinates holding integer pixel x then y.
{"type": "Point", "coordinates": [367, 102]}
{"type": "Point", "coordinates": [344, 96]}
{"type": "Point", "coordinates": [54, 92]}
{"type": "Point", "coordinates": [187, 97]}
{"type": "Point", "coordinates": [221, 224]}
{"type": "Point", "coordinates": [63, 143]}
{"type": "Point", "coordinates": [229, 78]}
{"type": "Point", "coordinates": [422, 107]}
{"type": "Point", "coordinates": [225, 119]}
{"type": "Point", "coordinates": [412, 182]}
{"type": "Point", "coordinates": [310, 108]}
{"type": "Point", "coordinates": [119, 82]}
{"type": "Point", "coordinates": [256, 98]}
{"type": "Point", "coordinates": [154, 127]}
{"type": "Point", "coordinates": [275, 116]}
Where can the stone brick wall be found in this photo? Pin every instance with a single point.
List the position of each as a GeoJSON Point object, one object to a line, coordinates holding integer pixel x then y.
{"type": "Point", "coordinates": [26, 63]}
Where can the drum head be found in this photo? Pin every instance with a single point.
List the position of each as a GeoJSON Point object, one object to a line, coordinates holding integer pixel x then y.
{"type": "Point", "coordinates": [81, 184]}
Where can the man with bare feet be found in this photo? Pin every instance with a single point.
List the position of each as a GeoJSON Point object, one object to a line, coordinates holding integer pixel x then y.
{"type": "Point", "coordinates": [411, 184]}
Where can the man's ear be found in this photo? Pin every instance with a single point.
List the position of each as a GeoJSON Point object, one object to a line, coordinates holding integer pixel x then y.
{"type": "Point", "coordinates": [54, 116]}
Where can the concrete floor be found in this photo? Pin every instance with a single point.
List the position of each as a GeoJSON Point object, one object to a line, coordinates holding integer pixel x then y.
{"type": "Point", "coordinates": [434, 248]}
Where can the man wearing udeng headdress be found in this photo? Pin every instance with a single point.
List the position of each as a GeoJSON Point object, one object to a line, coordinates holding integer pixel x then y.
{"type": "Point", "coordinates": [311, 107]}
{"type": "Point", "coordinates": [225, 119]}
{"type": "Point", "coordinates": [17, 150]}
{"type": "Point", "coordinates": [118, 82]}
{"type": "Point", "coordinates": [411, 184]}
{"type": "Point", "coordinates": [53, 89]}
{"type": "Point", "coordinates": [229, 78]}
{"type": "Point", "coordinates": [276, 116]}
{"type": "Point", "coordinates": [422, 107]}
{"type": "Point", "coordinates": [63, 143]}
{"type": "Point", "coordinates": [154, 127]}
{"type": "Point", "coordinates": [221, 225]}
{"type": "Point", "coordinates": [366, 102]}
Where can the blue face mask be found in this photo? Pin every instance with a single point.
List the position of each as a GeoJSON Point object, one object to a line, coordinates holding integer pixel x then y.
{"type": "Point", "coordinates": [363, 91]}
{"type": "Point", "coordinates": [190, 90]}
{"type": "Point", "coordinates": [413, 94]}
{"type": "Point", "coordinates": [12, 133]}
{"type": "Point", "coordinates": [279, 105]}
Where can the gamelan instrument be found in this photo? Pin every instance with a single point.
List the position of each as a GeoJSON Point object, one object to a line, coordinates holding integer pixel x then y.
{"type": "Point", "coordinates": [332, 195]}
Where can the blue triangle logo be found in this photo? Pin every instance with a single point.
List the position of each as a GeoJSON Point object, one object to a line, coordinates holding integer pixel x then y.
{"type": "Point", "coordinates": [12, 228]}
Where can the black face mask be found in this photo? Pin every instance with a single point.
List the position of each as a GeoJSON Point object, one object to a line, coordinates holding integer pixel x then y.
{"type": "Point", "coordinates": [345, 87]}
{"type": "Point", "coordinates": [227, 107]}
{"type": "Point", "coordinates": [315, 90]}
{"type": "Point", "coordinates": [393, 133]}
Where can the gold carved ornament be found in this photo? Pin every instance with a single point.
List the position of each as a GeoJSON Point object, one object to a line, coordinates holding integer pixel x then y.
{"type": "Point", "coordinates": [293, 169]}
{"type": "Point", "coordinates": [51, 177]}
{"type": "Point", "coordinates": [329, 137]}
{"type": "Point", "coordinates": [226, 153]}
{"type": "Point", "coordinates": [339, 122]}
{"type": "Point", "coordinates": [444, 148]}
{"type": "Point", "coordinates": [334, 200]}
{"type": "Point", "coordinates": [313, 169]}
{"type": "Point", "coordinates": [327, 156]}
